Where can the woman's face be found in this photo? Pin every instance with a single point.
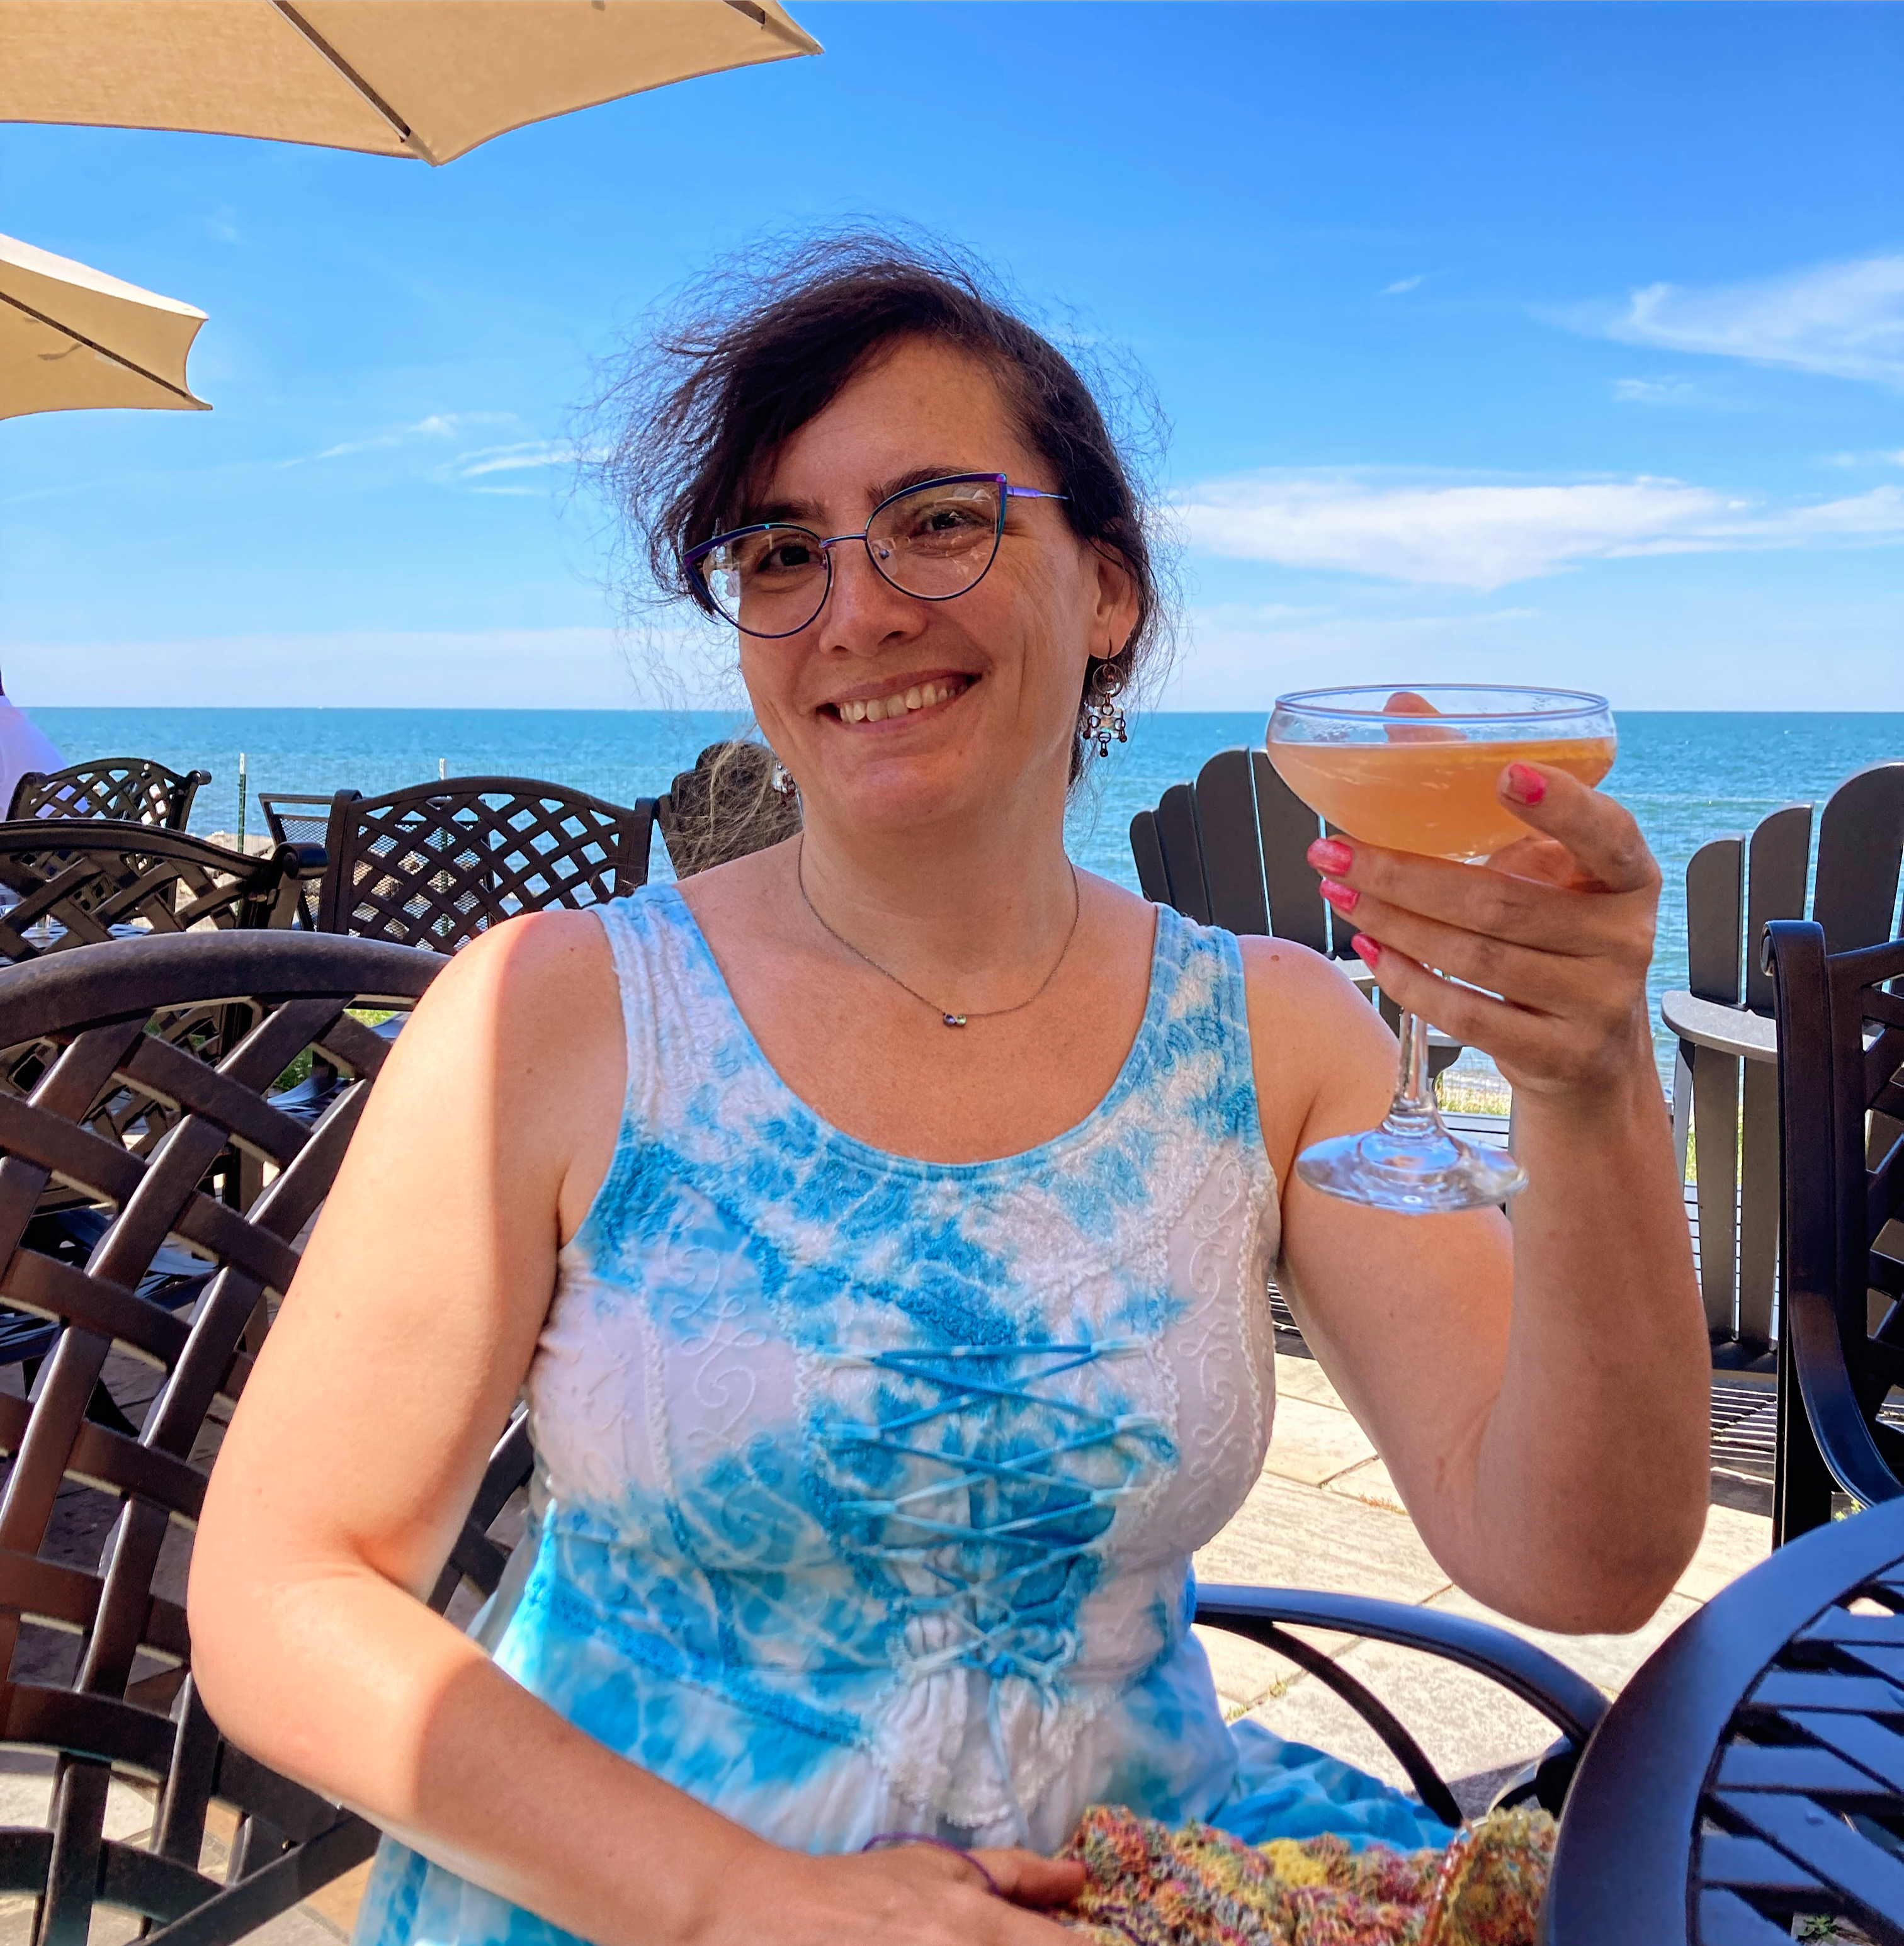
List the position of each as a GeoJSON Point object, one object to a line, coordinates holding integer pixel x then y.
{"type": "Point", "coordinates": [1007, 658]}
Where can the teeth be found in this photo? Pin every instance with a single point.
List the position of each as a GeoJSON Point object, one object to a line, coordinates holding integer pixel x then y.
{"type": "Point", "coordinates": [882, 709]}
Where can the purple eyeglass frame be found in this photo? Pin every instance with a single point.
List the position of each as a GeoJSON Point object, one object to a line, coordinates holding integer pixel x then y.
{"type": "Point", "coordinates": [1006, 491]}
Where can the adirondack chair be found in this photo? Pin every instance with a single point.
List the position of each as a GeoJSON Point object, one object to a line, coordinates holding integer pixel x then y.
{"type": "Point", "coordinates": [1841, 1083]}
{"type": "Point", "coordinates": [436, 863]}
{"type": "Point", "coordinates": [1725, 1083]}
{"type": "Point", "coordinates": [1231, 850]}
{"type": "Point", "coordinates": [138, 790]}
{"type": "Point", "coordinates": [723, 808]}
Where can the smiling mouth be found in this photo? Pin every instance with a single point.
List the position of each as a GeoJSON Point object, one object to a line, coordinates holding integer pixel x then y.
{"type": "Point", "coordinates": [901, 702]}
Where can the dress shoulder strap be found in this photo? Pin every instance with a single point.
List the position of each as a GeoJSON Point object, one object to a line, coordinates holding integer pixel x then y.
{"type": "Point", "coordinates": [1201, 1014]}
{"type": "Point", "coordinates": [665, 1007]}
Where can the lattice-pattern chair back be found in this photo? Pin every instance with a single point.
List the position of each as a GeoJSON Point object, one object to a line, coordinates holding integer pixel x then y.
{"type": "Point", "coordinates": [134, 790]}
{"type": "Point", "coordinates": [1841, 1019]}
{"type": "Point", "coordinates": [435, 864]}
{"type": "Point", "coordinates": [725, 808]}
{"type": "Point", "coordinates": [95, 1523]}
{"type": "Point", "coordinates": [80, 883]}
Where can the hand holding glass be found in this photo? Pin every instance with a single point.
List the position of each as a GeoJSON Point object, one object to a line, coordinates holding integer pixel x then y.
{"type": "Point", "coordinates": [1419, 770]}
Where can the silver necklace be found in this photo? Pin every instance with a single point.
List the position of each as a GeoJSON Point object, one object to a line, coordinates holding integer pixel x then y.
{"type": "Point", "coordinates": [949, 1020]}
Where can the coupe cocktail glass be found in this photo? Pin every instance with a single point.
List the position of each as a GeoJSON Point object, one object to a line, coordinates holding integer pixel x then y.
{"type": "Point", "coordinates": [1418, 770]}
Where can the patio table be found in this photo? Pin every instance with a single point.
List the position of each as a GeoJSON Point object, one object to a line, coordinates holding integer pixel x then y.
{"type": "Point", "coordinates": [1751, 1775]}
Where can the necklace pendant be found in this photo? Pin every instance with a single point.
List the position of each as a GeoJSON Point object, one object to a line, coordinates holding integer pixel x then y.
{"type": "Point", "coordinates": [953, 1020]}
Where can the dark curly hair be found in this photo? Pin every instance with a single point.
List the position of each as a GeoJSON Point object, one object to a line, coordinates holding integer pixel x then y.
{"type": "Point", "coordinates": [686, 421]}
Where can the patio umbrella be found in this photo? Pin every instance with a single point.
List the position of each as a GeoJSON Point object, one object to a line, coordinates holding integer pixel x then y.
{"type": "Point", "coordinates": [428, 78]}
{"type": "Point", "coordinates": [71, 337]}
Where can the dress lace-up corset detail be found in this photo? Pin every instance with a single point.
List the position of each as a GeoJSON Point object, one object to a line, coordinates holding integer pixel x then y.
{"type": "Point", "coordinates": [867, 1487]}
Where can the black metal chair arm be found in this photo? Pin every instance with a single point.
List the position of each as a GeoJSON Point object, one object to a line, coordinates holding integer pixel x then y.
{"type": "Point", "coordinates": [1836, 1420]}
{"type": "Point", "coordinates": [1567, 1699]}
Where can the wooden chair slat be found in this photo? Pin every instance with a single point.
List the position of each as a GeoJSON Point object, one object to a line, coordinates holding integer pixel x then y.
{"type": "Point", "coordinates": [1231, 843]}
{"type": "Point", "coordinates": [1859, 839]}
{"type": "Point", "coordinates": [1182, 847]}
{"type": "Point", "coordinates": [1287, 828]}
{"type": "Point", "coordinates": [1152, 877]}
{"type": "Point", "coordinates": [1777, 862]}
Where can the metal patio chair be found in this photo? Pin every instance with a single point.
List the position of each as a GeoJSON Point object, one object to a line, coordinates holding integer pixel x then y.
{"type": "Point", "coordinates": [81, 881]}
{"type": "Point", "coordinates": [136, 790]}
{"type": "Point", "coordinates": [96, 1521]}
{"type": "Point", "coordinates": [1725, 1085]}
{"type": "Point", "coordinates": [434, 864]}
{"type": "Point", "coordinates": [723, 808]}
{"type": "Point", "coordinates": [1232, 849]}
{"type": "Point", "coordinates": [1841, 1076]}
{"type": "Point", "coordinates": [299, 818]}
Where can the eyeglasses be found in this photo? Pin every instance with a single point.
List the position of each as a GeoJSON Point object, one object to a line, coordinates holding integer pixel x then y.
{"type": "Point", "coordinates": [933, 541]}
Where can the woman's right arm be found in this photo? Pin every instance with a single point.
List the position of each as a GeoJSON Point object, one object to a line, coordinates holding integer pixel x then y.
{"type": "Point", "coordinates": [355, 1452]}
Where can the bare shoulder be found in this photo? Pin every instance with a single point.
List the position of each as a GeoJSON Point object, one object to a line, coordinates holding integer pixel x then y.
{"type": "Point", "coordinates": [530, 983]}
{"type": "Point", "coordinates": [1289, 981]}
{"type": "Point", "coordinates": [518, 1046]}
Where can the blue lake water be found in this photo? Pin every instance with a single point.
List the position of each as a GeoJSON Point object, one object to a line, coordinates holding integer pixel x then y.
{"type": "Point", "coordinates": [1686, 776]}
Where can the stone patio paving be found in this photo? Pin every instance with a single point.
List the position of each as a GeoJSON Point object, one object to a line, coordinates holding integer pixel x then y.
{"type": "Point", "coordinates": [1325, 1515]}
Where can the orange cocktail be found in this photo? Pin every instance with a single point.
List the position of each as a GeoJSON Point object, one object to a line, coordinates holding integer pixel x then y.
{"type": "Point", "coordinates": [1420, 770]}
{"type": "Point", "coordinates": [1439, 795]}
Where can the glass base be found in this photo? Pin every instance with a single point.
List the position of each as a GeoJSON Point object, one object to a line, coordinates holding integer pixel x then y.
{"type": "Point", "coordinates": [1411, 1163]}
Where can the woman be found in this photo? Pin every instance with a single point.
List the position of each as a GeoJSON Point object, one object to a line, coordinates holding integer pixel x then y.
{"type": "Point", "coordinates": [879, 1224]}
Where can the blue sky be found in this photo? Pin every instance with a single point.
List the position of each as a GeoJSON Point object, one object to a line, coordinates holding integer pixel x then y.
{"type": "Point", "coordinates": [1564, 342]}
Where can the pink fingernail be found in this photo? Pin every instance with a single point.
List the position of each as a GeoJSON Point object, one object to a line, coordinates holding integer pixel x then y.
{"type": "Point", "coordinates": [1366, 950]}
{"type": "Point", "coordinates": [1330, 855]}
{"type": "Point", "coordinates": [1525, 785]}
{"type": "Point", "coordinates": [1344, 898]}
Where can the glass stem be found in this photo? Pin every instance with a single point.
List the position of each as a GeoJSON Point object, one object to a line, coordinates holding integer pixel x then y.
{"type": "Point", "coordinates": [1414, 1093]}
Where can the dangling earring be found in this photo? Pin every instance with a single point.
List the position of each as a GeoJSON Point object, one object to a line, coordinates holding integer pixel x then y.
{"type": "Point", "coordinates": [1103, 718]}
{"type": "Point", "coordinates": [782, 779]}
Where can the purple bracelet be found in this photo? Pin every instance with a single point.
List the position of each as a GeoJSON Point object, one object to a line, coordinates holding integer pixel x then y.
{"type": "Point", "coordinates": [882, 1839]}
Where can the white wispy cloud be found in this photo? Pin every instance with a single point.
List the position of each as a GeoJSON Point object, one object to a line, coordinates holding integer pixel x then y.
{"type": "Point", "coordinates": [520, 457]}
{"type": "Point", "coordinates": [1878, 457]}
{"type": "Point", "coordinates": [435, 425]}
{"type": "Point", "coordinates": [1845, 320]}
{"type": "Point", "coordinates": [1653, 392]}
{"type": "Point", "coordinates": [1486, 535]}
{"type": "Point", "coordinates": [1402, 285]}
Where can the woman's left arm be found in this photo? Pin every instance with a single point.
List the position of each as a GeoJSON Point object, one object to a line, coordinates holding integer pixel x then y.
{"type": "Point", "coordinates": [1538, 1390]}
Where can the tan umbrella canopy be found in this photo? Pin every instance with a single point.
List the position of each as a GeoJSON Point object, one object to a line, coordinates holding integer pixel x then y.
{"type": "Point", "coordinates": [72, 337]}
{"type": "Point", "coordinates": [428, 78]}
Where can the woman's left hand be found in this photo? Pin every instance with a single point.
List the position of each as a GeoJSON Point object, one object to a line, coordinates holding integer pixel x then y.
{"type": "Point", "coordinates": [1559, 926]}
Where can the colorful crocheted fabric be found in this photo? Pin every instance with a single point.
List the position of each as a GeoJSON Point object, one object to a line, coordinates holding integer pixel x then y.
{"type": "Point", "coordinates": [1149, 1884]}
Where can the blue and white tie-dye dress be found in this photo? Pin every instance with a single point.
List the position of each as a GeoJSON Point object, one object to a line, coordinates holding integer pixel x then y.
{"type": "Point", "coordinates": [866, 1488]}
